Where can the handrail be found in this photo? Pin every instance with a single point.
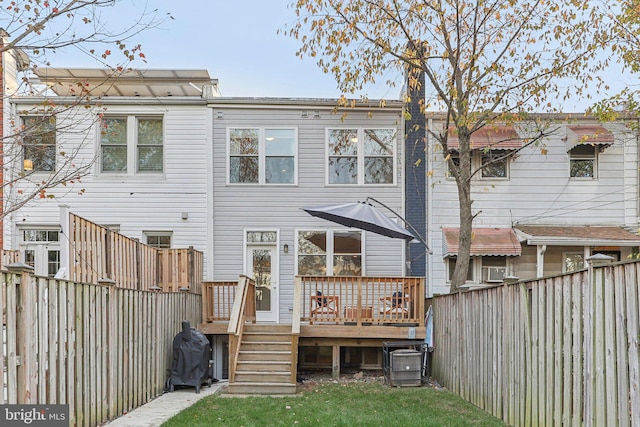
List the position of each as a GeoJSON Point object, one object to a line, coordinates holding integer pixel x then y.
{"type": "Point", "coordinates": [243, 309]}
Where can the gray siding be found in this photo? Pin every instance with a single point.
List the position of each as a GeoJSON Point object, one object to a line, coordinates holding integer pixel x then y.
{"type": "Point", "coordinates": [278, 207]}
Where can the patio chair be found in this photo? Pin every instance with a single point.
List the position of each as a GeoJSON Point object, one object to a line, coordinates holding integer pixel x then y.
{"type": "Point", "coordinates": [324, 307]}
{"type": "Point", "coordinates": [395, 306]}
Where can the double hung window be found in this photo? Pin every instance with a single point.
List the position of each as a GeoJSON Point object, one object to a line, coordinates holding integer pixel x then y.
{"type": "Point", "coordinates": [361, 156]}
{"type": "Point", "coordinates": [262, 155]}
{"type": "Point", "coordinates": [131, 145]}
{"type": "Point", "coordinates": [39, 143]}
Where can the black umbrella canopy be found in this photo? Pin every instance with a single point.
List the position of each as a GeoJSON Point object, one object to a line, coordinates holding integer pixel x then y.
{"type": "Point", "coordinates": [363, 216]}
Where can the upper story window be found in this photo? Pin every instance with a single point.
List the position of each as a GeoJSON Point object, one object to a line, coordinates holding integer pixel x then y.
{"type": "Point", "coordinates": [330, 253]}
{"type": "Point", "coordinates": [361, 156]}
{"type": "Point", "coordinates": [262, 155]}
{"type": "Point", "coordinates": [39, 143]}
{"type": "Point", "coordinates": [492, 164]}
{"type": "Point", "coordinates": [131, 144]}
{"type": "Point", "coordinates": [583, 161]}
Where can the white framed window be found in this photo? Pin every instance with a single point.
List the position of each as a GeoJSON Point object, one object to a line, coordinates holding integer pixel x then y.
{"type": "Point", "coordinates": [158, 239]}
{"type": "Point", "coordinates": [41, 249]}
{"type": "Point", "coordinates": [131, 145]}
{"type": "Point", "coordinates": [483, 269]}
{"type": "Point", "coordinates": [262, 155]}
{"type": "Point", "coordinates": [38, 143]}
{"type": "Point", "coordinates": [583, 161]}
{"type": "Point", "coordinates": [330, 253]}
{"type": "Point", "coordinates": [357, 156]}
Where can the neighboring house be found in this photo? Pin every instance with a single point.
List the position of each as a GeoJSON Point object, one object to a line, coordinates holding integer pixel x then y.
{"type": "Point", "coordinates": [541, 212]}
{"type": "Point", "coordinates": [145, 141]}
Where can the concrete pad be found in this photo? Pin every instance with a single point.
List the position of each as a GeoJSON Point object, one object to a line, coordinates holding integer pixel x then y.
{"type": "Point", "coordinates": [160, 409]}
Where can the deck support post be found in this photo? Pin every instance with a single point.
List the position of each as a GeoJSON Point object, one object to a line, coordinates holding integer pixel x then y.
{"type": "Point", "coordinates": [335, 369]}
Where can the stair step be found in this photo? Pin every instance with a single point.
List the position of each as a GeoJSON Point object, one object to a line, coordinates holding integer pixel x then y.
{"type": "Point", "coordinates": [262, 377]}
{"type": "Point", "coordinates": [280, 356]}
{"type": "Point", "coordinates": [275, 328]}
{"type": "Point", "coordinates": [264, 366]}
{"type": "Point", "coordinates": [266, 336]}
{"type": "Point", "coordinates": [261, 388]}
{"type": "Point", "coordinates": [265, 346]}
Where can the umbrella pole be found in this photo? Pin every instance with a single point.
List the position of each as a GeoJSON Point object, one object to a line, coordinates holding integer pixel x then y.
{"type": "Point", "coordinates": [411, 227]}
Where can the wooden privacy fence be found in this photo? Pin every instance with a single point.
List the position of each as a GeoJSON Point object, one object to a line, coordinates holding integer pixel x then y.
{"type": "Point", "coordinates": [100, 349]}
{"type": "Point", "coordinates": [97, 253]}
{"type": "Point", "coordinates": [555, 351]}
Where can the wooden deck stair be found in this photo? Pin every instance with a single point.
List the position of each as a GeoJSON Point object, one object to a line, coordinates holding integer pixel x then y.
{"type": "Point", "coordinates": [264, 363]}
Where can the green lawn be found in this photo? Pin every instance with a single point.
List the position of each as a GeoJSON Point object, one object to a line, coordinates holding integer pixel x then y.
{"type": "Point", "coordinates": [339, 404]}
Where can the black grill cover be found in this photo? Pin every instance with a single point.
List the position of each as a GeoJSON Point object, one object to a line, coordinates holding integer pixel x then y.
{"type": "Point", "coordinates": [191, 356]}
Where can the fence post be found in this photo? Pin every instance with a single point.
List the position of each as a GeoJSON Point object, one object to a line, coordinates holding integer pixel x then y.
{"type": "Point", "coordinates": [112, 349]}
{"type": "Point", "coordinates": [26, 339]}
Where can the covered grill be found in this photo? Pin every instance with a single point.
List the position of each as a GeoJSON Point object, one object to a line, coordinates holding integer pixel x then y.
{"type": "Point", "coordinates": [192, 364]}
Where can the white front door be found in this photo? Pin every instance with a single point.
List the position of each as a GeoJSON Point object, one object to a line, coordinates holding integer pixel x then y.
{"type": "Point", "coordinates": [41, 249]}
{"type": "Point", "coordinates": [263, 268]}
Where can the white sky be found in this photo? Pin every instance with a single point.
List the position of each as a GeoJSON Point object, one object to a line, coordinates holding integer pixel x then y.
{"type": "Point", "coordinates": [235, 40]}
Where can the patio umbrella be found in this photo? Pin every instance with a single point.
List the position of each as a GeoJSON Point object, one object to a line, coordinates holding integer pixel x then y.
{"type": "Point", "coordinates": [364, 216]}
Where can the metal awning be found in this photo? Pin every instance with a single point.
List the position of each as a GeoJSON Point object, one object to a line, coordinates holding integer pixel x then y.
{"type": "Point", "coordinates": [492, 137]}
{"type": "Point", "coordinates": [593, 134]}
{"type": "Point", "coordinates": [484, 242]}
{"type": "Point", "coordinates": [132, 82]}
{"type": "Point", "coordinates": [581, 235]}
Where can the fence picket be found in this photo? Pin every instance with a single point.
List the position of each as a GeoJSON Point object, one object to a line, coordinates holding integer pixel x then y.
{"type": "Point", "coordinates": [89, 346]}
{"type": "Point", "coordinates": [569, 348]}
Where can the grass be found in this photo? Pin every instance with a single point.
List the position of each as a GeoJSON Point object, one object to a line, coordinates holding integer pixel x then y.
{"type": "Point", "coordinates": [338, 404]}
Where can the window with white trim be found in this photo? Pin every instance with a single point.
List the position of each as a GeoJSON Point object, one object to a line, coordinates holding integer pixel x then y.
{"type": "Point", "coordinates": [361, 156]}
{"type": "Point", "coordinates": [132, 145]}
{"type": "Point", "coordinates": [41, 249]}
{"type": "Point", "coordinates": [330, 253]}
{"type": "Point", "coordinates": [158, 239]}
{"type": "Point", "coordinates": [262, 155]}
{"type": "Point", "coordinates": [483, 269]}
{"type": "Point", "coordinates": [39, 143]}
{"type": "Point", "coordinates": [583, 161]}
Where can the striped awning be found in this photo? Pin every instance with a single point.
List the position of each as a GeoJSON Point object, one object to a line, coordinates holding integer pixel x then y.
{"type": "Point", "coordinates": [593, 134]}
{"type": "Point", "coordinates": [484, 242]}
{"type": "Point", "coordinates": [492, 137]}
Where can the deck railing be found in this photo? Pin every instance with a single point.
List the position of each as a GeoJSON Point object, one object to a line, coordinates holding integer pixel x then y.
{"type": "Point", "coordinates": [97, 253]}
{"type": "Point", "coordinates": [217, 300]}
{"type": "Point", "coordinates": [361, 300]}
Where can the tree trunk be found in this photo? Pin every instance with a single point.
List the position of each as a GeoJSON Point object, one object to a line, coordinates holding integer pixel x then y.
{"type": "Point", "coordinates": [463, 182]}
